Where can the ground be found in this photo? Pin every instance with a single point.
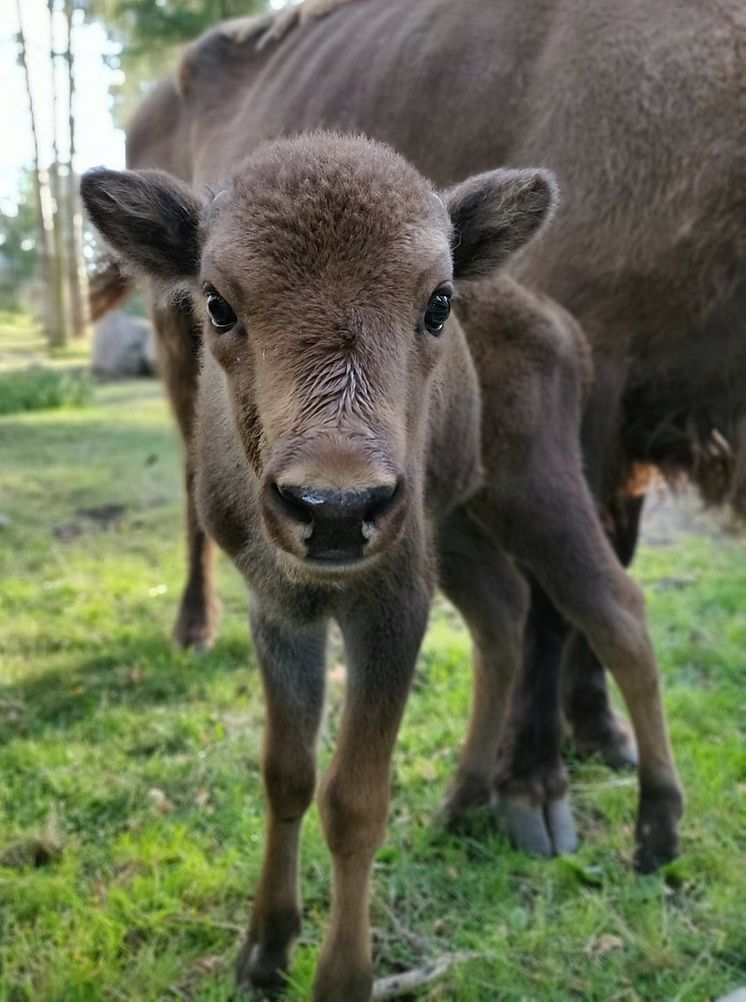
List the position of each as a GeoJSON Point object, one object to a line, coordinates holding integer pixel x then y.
{"type": "Point", "coordinates": [131, 819]}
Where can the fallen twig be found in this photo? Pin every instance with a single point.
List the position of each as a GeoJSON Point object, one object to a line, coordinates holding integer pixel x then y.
{"type": "Point", "coordinates": [611, 784]}
{"type": "Point", "coordinates": [408, 981]}
{"type": "Point", "coordinates": [417, 942]}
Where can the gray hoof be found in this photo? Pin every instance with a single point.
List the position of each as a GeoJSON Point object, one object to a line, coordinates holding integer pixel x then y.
{"type": "Point", "coordinates": [539, 829]}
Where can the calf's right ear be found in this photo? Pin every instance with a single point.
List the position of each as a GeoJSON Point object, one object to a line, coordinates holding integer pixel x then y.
{"type": "Point", "coordinates": [151, 220]}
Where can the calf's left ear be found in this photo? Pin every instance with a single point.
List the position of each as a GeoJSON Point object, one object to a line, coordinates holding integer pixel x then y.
{"type": "Point", "coordinates": [495, 214]}
{"type": "Point", "coordinates": [149, 219]}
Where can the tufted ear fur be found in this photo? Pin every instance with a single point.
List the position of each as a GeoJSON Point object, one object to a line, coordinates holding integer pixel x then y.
{"type": "Point", "coordinates": [495, 214]}
{"type": "Point", "coordinates": [151, 220]}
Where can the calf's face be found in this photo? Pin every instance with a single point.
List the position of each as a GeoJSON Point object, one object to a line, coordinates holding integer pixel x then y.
{"type": "Point", "coordinates": [323, 272]}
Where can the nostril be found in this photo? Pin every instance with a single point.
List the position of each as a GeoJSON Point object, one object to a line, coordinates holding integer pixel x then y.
{"type": "Point", "coordinates": [379, 500]}
{"type": "Point", "coordinates": [294, 502]}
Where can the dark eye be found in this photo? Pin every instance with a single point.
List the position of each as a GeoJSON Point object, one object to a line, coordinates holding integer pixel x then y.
{"type": "Point", "coordinates": [221, 314]}
{"type": "Point", "coordinates": [438, 310]}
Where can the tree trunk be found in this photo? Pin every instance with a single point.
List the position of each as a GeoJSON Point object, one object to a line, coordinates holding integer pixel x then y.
{"type": "Point", "coordinates": [77, 280]}
{"type": "Point", "coordinates": [43, 199]}
{"type": "Point", "coordinates": [59, 297]}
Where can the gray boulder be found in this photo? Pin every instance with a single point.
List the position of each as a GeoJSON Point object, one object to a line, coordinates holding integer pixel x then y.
{"type": "Point", "coordinates": [123, 346]}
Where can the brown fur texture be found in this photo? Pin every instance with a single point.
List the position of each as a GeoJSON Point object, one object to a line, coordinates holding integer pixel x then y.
{"type": "Point", "coordinates": [619, 102]}
{"type": "Point", "coordinates": [328, 387]}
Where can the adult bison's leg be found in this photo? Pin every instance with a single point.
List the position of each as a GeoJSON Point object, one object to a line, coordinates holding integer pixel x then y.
{"type": "Point", "coordinates": [552, 526]}
{"type": "Point", "coordinates": [382, 640]}
{"type": "Point", "coordinates": [490, 593]}
{"type": "Point", "coordinates": [596, 728]}
{"type": "Point", "coordinates": [292, 667]}
{"type": "Point", "coordinates": [178, 349]}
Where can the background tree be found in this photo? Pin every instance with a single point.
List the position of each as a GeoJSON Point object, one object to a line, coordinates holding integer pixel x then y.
{"type": "Point", "coordinates": [20, 244]}
{"type": "Point", "coordinates": [151, 33]}
{"type": "Point", "coordinates": [43, 202]}
{"type": "Point", "coordinates": [76, 271]}
{"type": "Point", "coordinates": [148, 35]}
{"type": "Point", "coordinates": [58, 290]}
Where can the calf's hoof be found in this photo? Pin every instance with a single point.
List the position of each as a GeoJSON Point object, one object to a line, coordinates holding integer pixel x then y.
{"type": "Point", "coordinates": [541, 829]}
{"type": "Point", "coordinates": [610, 737]}
{"type": "Point", "coordinates": [536, 808]}
{"type": "Point", "coordinates": [196, 624]}
{"type": "Point", "coordinates": [466, 794]}
{"type": "Point", "coordinates": [260, 971]}
{"type": "Point", "coordinates": [657, 831]}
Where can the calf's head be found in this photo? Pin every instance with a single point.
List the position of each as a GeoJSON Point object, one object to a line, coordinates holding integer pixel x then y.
{"type": "Point", "coordinates": [323, 273]}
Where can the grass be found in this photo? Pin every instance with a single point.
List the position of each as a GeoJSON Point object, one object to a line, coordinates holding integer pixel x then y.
{"type": "Point", "coordinates": [131, 819]}
{"type": "Point", "coordinates": [21, 343]}
{"type": "Point", "coordinates": [36, 388]}
{"type": "Point", "coordinates": [31, 379]}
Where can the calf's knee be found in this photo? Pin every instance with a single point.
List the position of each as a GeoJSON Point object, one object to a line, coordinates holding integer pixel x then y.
{"type": "Point", "coordinates": [289, 783]}
{"type": "Point", "coordinates": [353, 817]}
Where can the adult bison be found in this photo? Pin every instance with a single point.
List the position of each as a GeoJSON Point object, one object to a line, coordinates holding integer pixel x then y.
{"type": "Point", "coordinates": [639, 110]}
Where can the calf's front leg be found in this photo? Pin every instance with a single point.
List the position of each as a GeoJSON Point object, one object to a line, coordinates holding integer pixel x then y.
{"type": "Point", "coordinates": [292, 667]}
{"type": "Point", "coordinates": [382, 644]}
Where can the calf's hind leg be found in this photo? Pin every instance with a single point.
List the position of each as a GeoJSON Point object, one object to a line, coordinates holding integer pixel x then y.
{"type": "Point", "coordinates": [553, 528]}
{"type": "Point", "coordinates": [292, 667]}
{"type": "Point", "coordinates": [178, 354]}
{"type": "Point", "coordinates": [491, 595]}
{"type": "Point", "coordinates": [531, 777]}
{"type": "Point", "coordinates": [596, 728]}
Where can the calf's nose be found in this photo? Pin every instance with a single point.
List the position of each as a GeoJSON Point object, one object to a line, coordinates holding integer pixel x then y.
{"type": "Point", "coordinates": [338, 523]}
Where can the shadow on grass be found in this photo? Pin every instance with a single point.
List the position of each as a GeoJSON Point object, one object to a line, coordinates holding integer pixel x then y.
{"type": "Point", "coordinates": [143, 673]}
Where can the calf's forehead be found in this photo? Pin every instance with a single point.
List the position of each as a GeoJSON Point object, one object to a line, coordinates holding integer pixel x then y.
{"type": "Point", "coordinates": [364, 223]}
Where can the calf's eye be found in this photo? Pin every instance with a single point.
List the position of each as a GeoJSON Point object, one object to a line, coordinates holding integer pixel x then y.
{"type": "Point", "coordinates": [221, 313]}
{"type": "Point", "coordinates": [438, 310]}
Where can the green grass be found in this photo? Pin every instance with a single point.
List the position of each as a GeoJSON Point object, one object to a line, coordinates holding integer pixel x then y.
{"type": "Point", "coordinates": [131, 818]}
{"type": "Point", "coordinates": [36, 388]}
{"type": "Point", "coordinates": [19, 337]}
{"type": "Point", "coordinates": [31, 377]}
{"type": "Point", "coordinates": [21, 343]}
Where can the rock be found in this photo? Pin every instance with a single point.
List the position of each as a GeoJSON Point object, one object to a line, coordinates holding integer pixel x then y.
{"type": "Point", "coordinates": [123, 346]}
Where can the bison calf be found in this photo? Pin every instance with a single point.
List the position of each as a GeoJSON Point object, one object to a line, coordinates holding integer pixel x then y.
{"type": "Point", "coordinates": [338, 459]}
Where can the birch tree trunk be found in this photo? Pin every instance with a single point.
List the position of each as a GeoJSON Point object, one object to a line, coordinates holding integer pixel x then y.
{"type": "Point", "coordinates": [77, 279]}
{"type": "Point", "coordinates": [59, 298]}
{"type": "Point", "coordinates": [43, 200]}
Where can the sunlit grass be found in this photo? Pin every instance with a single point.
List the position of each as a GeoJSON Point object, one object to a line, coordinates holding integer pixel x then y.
{"type": "Point", "coordinates": [22, 345]}
{"type": "Point", "coordinates": [136, 766]}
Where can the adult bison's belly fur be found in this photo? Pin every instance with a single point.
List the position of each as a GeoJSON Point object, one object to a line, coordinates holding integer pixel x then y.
{"type": "Point", "coordinates": [684, 408]}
